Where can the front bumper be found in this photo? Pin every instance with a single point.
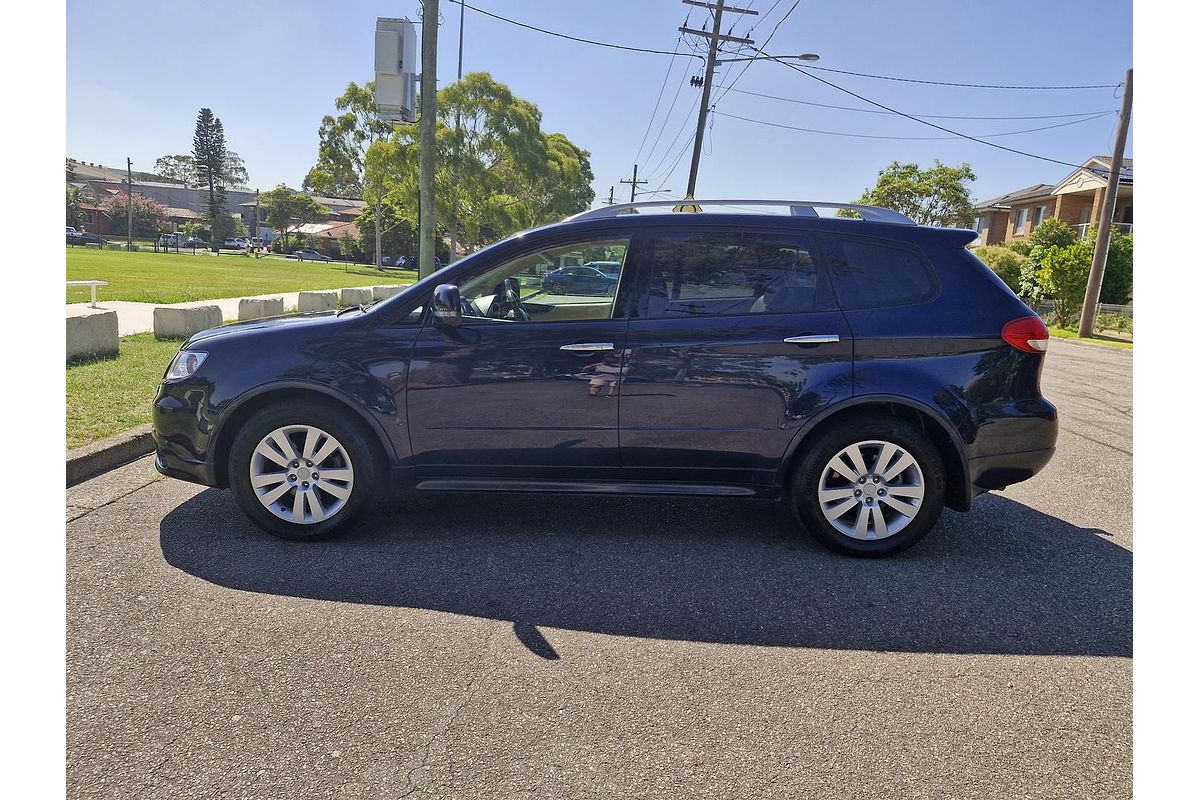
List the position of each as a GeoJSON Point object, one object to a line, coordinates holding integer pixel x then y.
{"type": "Point", "coordinates": [183, 426]}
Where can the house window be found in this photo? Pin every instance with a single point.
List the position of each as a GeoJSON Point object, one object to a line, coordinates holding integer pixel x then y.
{"type": "Point", "coordinates": [1039, 214]}
{"type": "Point", "coordinates": [1019, 225]}
{"type": "Point", "coordinates": [979, 224]}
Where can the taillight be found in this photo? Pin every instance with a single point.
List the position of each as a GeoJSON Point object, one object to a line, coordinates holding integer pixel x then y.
{"type": "Point", "coordinates": [1027, 334]}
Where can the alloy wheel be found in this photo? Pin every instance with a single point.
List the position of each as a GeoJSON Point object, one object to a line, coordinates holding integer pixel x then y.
{"type": "Point", "coordinates": [301, 474]}
{"type": "Point", "coordinates": [871, 502]}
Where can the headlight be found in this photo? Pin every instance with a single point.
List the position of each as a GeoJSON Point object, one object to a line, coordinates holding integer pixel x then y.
{"type": "Point", "coordinates": [184, 365]}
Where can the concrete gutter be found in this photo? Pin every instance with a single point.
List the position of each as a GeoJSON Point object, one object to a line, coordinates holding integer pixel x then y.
{"type": "Point", "coordinates": [99, 457]}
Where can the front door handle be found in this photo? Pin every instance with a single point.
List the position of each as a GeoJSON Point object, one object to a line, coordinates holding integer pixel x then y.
{"type": "Point", "coordinates": [588, 347]}
{"type": "Point", "coordinates": [814, 338]}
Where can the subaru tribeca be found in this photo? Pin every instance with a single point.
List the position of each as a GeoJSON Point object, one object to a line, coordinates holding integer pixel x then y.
{"type": "Point", "coordinates": [868, 372]}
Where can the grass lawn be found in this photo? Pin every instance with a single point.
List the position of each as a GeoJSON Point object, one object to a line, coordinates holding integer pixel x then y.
{"type": "Point", "coordinates": [109, 396]}
{"type": "Point", "coordinates": [1111, 341]}
{"type": "Point", "coordinates": [177, 278]}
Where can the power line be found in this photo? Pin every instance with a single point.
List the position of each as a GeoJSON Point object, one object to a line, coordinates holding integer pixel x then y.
{"type": "Point", "coordinates": [916, 119]}
{"type": "Point", "coordinates": [770, 36]}
{"type": "Point", "coordinates": [963, 85]}
{"type": "Point", "coordinates": [922, 116]}
{"type": "Point", "coordinates": [661, 89]}
{"type": "Point", "coordinates": [572, 38]}
{"type": "Point", "coordinates": [911, 138]}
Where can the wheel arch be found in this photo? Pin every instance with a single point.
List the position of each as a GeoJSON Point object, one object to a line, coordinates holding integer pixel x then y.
{"type": "Point", "coordinates": [252, 402]}
{"type": "Point", "coordinates": [934, 425]}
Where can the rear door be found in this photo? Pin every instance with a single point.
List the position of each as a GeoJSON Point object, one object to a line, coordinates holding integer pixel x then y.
{"type": "Point", "coordinates": [735, 343]}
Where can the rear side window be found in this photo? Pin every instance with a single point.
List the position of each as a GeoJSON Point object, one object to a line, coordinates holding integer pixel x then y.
{"type": "Point", "coordinates": [868, 274]}
{"type": "Point", "coordinates": [730, 274]}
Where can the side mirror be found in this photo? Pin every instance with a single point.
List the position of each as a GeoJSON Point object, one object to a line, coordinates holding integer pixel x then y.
{"type": "Point", "coordinates": [447, 305]}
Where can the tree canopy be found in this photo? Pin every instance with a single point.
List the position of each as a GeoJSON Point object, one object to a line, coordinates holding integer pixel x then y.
{"type": "Point", "coordinates": [497, 174]}
{"type": "Point", "coordinates": [286, 209]}
{"type": "Point", "coordinates": [934, 196]}
{"type": "Point", "coordinates": [343, 141]}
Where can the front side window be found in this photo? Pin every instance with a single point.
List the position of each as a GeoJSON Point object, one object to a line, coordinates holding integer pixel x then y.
{"type": "Point", "coordinates": [546, 285]}
{"type": "Point", "coordinates": [870, 274]}
{"type": "Point", "coordinates": [727, 274]}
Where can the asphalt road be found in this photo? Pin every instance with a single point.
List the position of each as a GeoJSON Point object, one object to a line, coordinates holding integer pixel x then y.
{"type": "Point", "coordinates": [560, 647]}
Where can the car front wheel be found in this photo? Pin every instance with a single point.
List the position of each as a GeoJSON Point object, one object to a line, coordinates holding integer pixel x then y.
{"type": "Point", "coordinates": [869, 487]}
{"type": "Point", "coordinates": [302, 471]}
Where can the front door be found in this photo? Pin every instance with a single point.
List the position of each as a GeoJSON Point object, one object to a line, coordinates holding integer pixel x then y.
{"type": "Point", "coordinates": [735, 344]}
{"type": "Point", "coordinates": [528, 386]}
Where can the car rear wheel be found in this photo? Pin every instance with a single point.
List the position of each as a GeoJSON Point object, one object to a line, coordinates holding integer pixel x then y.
{"type": "Point", "coordinates": [558, 287]}
{"type": "Point", "coordinates": [869, 487]}
{"type": "Point", "coordinates": [302, 471]}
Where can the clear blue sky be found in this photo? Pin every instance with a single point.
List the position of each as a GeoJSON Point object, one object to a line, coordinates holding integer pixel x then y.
{"type": "Point", "coordinates": [138, 70]}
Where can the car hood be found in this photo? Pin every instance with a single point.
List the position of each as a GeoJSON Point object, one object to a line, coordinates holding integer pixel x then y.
{"type": "Point", "coordinates": [293, 322]}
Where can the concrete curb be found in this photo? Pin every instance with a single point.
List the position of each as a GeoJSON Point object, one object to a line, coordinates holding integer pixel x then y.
{"type": "Point", "coordinates": [99, 457]}
{"type": "Point", "coordinates": [1085, 343]}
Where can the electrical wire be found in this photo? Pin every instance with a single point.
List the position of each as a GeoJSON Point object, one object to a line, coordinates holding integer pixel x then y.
{"type": "Point", "coordinates": [658, 100]}
{"type": "Point", "coordinates": [941, 128]}
{"type": "Point", "coordinates": [922, 116]}
{"type": "Point", "coordinates": [771, 36]}
{"type": "Point", "coordinates": [963, 85]}
{"type": "Point", "coordinates": [568, 36]}
{"type": "Point", "coordinates": [910, 138]}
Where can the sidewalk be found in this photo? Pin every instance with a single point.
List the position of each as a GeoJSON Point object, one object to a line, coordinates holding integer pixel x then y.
{"type": "Point", "coordinates": [139, 317]}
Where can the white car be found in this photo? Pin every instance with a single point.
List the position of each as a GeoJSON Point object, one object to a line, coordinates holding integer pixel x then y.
{"type": "Point", "coordinates": [235, 244]}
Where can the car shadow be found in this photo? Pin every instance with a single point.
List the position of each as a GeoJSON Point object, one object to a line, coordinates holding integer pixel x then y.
{"type": "Point", "coordinates": [1003, 579]}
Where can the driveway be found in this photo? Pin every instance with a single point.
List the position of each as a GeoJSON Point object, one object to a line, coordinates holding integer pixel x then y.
{"type": "Point", "coordinates": [555, 646]}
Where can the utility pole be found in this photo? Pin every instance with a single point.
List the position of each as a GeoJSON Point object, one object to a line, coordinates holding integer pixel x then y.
{"type": "Point", "coordinates": [254, 235]}
{"type": "Point", "coordinates": [633, 184]}
{"type": "Point", "coordinates": [1091, 297]}
{"type": "Point", "coordinates": [378, 234]}
{"type": "Point", "coordinates": [457, 132]}
{"type": "Point", "coordinates": [714, 39]}
{"type": "Point", "coordinates": [129, 204]}
{"type": "Point", "coordinates": [610, 201]}
{"type": "Point", "coordinates": [429, 34]}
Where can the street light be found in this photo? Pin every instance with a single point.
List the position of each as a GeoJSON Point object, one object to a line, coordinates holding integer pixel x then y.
{"type": "Point", "coordinates": [810, 57]}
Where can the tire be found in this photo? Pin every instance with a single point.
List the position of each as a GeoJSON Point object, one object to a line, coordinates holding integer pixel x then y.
{"type": "Point", "coordinates": [557, 288]}
{"type": "Point", "coordinates": [341, 446]}
{"type": "Point", "coordinates": [872, 437]}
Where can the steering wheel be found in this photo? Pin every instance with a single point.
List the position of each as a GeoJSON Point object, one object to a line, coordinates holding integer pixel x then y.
{"type": "Point", "coordinates": [506, 302]}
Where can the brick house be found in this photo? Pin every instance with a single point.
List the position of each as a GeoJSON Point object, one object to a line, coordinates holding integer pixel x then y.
{"type": "Point", "coordinates": [1075, 200]}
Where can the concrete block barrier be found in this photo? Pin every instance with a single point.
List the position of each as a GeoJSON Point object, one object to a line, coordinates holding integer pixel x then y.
{"type": "Point", "coordinates": [91, 332]}
{"type": "Point", "coordinates": [259, 307]}
{"type": "Point", "coordinates": [384, 292]}
{"type": "Point", "coordinates": [353, 297]}
{"type": "Point", "coordinates": [317, 301]}
{"type": "Point", "coordinates": [176, 322]}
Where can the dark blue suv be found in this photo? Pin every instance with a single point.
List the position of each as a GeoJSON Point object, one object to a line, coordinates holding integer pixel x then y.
{"type": "Point", "coordinates": [866, 371]}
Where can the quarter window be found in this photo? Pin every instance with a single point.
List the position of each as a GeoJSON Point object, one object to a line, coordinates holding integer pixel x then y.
{"type": "Point", "coordinates": [542, 286]}
{"type": "Point", "coordinates": [873, 274]}
{"type": "Point", "coordinates": [727, 274]}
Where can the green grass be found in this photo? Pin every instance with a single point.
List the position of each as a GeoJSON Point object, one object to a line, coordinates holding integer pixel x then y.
{"type": "Point", "coordinates": [1111, 341]}
{"type": "Point", "coordinates": [177, 278]}
{"type": "Point", "coordinates": [105, 397]}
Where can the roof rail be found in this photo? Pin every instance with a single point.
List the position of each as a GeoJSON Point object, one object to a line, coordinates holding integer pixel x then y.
{"type": "Point", "coordinates": [798, 208]}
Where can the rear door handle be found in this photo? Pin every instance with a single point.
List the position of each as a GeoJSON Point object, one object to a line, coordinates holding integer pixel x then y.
{"type": "Point", "coordinates": [588, 347]}
{"type": "Point", "coordinates": [814, 338]}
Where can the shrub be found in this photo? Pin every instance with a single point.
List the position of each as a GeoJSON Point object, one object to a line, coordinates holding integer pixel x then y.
{"type": "Point", "coordinates": [1021, 248]}
{"type": "Point", "coordinates": [1052, 233]}
{"type": "Point", "coordinates": [1114, 322]}
{"type": "Point", "coordinates": [1005, 263]}
{"type": "Point", "coordinates": [1063, 273]}
{"type": "Point", "coordinates": [1118, 271]}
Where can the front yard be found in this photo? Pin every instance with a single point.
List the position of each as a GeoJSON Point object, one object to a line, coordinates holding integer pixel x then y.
{"type": "Point", "coordinates": [177, 278]}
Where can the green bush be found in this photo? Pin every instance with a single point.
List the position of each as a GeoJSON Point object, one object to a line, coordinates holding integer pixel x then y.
{"type": "Point", "coordinates": [1114, 322]}
{"type": "Point", "coordinates": [1020, 248]}
{"type": "Point", "coordinates": [1005, 263]}
{"type": "Point", "coordinates": [1118, 271]}
{"type": "Point", "coordinates": [1052, 233]}
{"type": "Point", "coordinates": [1063, 274]}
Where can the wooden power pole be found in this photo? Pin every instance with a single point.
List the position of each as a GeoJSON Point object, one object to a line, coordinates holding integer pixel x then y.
{"type": "Point", "coordinates": [129, 204]}
{"type": "Point", "coordinates": [714, 39]}
{"type": "Point", "coordinates": [429, 35]}
{"type": "Point", "coordinates": [633, 184]}
{"type": "Point", "coordinates": [1087, 319]}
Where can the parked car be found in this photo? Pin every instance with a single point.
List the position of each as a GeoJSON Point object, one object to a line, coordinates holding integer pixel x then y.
{"type": "Point", "coordinates": [84, 238]}
{"type": "Point", "coordinates": [309, 255]}
{"type": "Point", "coordinates": [597, 277]}
{"type": "Point", "coordinates": [870, 373]}
{"type": "Point", "coordinates": [237, 243]}
{"type": "Point", "coordinates": [193, 241]}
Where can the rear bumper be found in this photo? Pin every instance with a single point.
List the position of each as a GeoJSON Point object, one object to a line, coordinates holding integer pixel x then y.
{"type": "Point", "coordinates": [1005, 469]}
